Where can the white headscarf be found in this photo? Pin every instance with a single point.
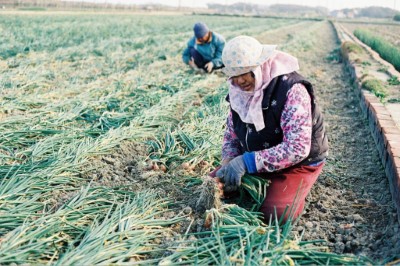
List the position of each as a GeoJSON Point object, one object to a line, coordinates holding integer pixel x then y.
{"type": "Point", "coordinates": [249, 105]}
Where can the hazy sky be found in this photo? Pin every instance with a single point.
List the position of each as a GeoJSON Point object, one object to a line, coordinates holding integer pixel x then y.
{"type": "Point", "coordinates": [330, 4]}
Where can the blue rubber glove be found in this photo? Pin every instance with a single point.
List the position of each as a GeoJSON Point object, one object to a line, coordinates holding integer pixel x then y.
{"type": "Point", "coordinates": [232, 172]}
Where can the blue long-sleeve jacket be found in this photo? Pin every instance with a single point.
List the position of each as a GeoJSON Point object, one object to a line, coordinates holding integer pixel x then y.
{"type": "Point", "coordinates": [211, 51]}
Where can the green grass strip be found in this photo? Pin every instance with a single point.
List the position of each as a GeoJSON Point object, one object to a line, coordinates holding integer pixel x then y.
{"type": "Point", "coordinates": [386, 50]}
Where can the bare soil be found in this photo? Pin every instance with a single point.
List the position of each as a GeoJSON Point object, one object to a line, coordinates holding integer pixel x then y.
{"type": "Point", "coordinates": [130, 168]}
{"type": "Point", "coordinates": [350, 206]}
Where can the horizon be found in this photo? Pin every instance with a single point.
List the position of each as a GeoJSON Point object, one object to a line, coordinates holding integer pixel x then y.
{"type": "Point", "coordinates": [331, 5]}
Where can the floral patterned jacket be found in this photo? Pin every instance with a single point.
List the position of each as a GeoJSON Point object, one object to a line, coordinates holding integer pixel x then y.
{"type": "Point", "coordinates": [296, 124]}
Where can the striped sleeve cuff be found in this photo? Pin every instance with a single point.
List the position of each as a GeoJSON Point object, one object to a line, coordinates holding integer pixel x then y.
{"type": "Point", "coordinates": [249, 159]}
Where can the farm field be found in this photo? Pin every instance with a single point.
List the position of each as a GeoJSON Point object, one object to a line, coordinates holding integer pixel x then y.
{"type": "Point", "coordinates": [372, 59]}
{"type": "Point", "coordinates": [389, 32]}
{"type": "Point", "coordinates": [106, 137]}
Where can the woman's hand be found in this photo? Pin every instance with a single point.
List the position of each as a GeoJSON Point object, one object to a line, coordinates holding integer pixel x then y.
{"type": "Point", "coordinates": [219, 181]}
{"type": "Point", "coordinates": [226, 161]}
{"type": "Point", "coordinates": [231, 173]}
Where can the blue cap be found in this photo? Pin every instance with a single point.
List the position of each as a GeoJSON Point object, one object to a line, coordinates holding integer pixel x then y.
{"type": "Point", "coordinates": [200, 29]}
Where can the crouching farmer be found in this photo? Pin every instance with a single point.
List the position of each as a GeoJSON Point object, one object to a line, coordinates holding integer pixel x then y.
{"type": "Point", "coordinates": [204, 49]}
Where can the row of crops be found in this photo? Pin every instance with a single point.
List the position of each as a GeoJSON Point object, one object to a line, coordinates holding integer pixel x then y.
{"type": "Point", "coordinates": [76, 88]}
{"type": "Point", "coordinates": [386, 31]}
{"type": "Point", "coordinates": [386, 50]}
{"type": "Point", "coordinates": [376, 77]}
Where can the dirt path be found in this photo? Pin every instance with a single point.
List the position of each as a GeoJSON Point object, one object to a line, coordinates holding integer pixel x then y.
{"type": "Point", "coordinates": [351, 205]}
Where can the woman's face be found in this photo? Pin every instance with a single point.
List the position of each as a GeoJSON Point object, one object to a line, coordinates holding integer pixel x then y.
{"type": "Point", "coordinates": [246, 82]}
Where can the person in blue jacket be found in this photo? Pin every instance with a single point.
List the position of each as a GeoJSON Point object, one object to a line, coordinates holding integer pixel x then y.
{"type": "Point", "coordinates": [204, 49]}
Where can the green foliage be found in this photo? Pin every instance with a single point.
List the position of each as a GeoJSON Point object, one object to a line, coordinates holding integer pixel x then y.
{"type": "Point", "coordinates": [395, 100]}
{"type": "Point", "coordinates": [351, 47]}
{"type": "Point", "coordinates": [386, 50]}
{"type": "Point", "coordinates": [376, 86]}
{"type": "Point", "coordinates": [33, 8]}
{"type": "Point", "coordinates": [366, 63]}
{"type": "Point", "coordinates": [396, 17]}
{"type": "Point", "coordinates": [383, 69]}
{"type": "Point", "coordinates": [334, 56]}
{"type": "Point", "coordinates": [4, 54]}
{"type": "Point", "coordinates": [394, 81]}
{"type": "Point", "coordinates": [238, 237]}
{"type": "Point", "coordinates": [350, 50]}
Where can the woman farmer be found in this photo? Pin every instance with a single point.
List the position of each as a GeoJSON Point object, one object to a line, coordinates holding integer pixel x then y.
{"type": "Point", "coordinates": [204, 49]}
{"type": "Point", "coordinates": [274, 128]}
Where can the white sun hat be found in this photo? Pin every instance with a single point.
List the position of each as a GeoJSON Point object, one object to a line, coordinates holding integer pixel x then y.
{"type": "Point", "coordinates": [243, 54]}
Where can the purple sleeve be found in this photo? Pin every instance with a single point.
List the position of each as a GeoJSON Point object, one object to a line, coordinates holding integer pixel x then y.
{"type": "Point", "coordinates": [296, 124]}
{"type": "Point", "coordinates": [231, 143]}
